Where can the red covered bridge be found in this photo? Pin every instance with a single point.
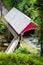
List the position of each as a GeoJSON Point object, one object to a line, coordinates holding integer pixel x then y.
{"type": "Point", "coordinates": [18, 24]}
{"type": "Point", "coordinates": [19, 21]}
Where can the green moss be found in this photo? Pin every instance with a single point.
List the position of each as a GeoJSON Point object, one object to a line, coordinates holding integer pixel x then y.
{"type": "Point", "coordinates": [29, 47]}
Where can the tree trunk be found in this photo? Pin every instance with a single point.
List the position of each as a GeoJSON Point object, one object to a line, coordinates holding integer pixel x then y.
{"type": "Point", "coordinates": [41, 49]}
{"type": "Point", "coordinates": [41, 36]}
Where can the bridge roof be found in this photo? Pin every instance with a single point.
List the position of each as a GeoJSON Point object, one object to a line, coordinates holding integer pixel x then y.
{"type": "Point", "coordinates": [19, 21]}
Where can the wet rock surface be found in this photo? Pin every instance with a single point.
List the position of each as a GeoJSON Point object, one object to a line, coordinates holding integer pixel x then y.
{"type": "Point", "coordinates": [3, 43]}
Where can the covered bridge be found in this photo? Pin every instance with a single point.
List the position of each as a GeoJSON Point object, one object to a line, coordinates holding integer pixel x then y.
{"type": "Point", "coordinates": [19, 22]}
{"type": "Point", "coordinates": [19, 25]}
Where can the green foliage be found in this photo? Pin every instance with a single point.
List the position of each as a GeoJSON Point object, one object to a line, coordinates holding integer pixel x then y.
{"type": "Point", "coordinates": [22, 50]}
{"type": "Point", "coordinates": [37, 33]}
{"type": "Point", "coordinates": [8, 4]}
{"type": "Point", "coordinates": [40, 7]}
{"type": "Point", "coordinates": [20, 59]}
{"type": "Point", "coordinates": [5, 31]}
{"type": "Point", "coordinates": [11, 3]}
{"type": "Point", "coordinates": [2, 27]}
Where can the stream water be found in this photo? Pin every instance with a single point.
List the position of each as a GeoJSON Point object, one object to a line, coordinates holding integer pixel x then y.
{"type": "Point", "coordinates": [33, 42]}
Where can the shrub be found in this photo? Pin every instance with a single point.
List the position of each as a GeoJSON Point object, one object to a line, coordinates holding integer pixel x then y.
{"type": "Point", "coordinates": [22, 50]}
{"type": "Point", "coordinates": [19, 59]}
{"type": "Point", "coordinates": [2, 27]}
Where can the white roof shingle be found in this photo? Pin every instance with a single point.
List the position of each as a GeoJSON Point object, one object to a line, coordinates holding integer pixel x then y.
{"type": "Point", "coordinates": [17, 20]}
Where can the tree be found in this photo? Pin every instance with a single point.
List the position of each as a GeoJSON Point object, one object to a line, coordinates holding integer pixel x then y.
{"type": "Point", "coordinates": [40, 7]}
